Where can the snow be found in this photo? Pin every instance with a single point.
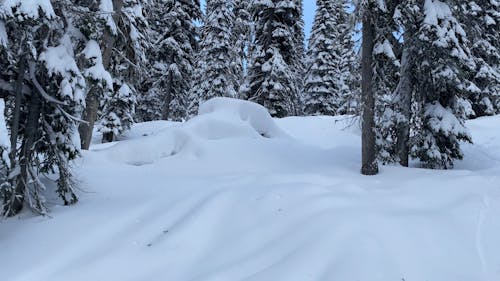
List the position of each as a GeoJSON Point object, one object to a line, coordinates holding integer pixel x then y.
{"type": "Point", "coordinates": [3, 34]}
{"type": "Point", "coordinates": [29, 8]}
{"type": "Point", "coordinates": [231, 204]}
{"type": "Point", "coordinates": [384, 48]}
{"type": "Point", "coordinates": [93, 52]}
{"type": "Point", "coordinates": [106, 8]}
{"type": "Point", "coordinates": [4, 139]}
{"type": "Point", "coordinates": [59, 60]}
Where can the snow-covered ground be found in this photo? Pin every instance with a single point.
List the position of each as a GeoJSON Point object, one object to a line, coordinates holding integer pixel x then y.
{"type": "Point", "coordinates": [235, 195]}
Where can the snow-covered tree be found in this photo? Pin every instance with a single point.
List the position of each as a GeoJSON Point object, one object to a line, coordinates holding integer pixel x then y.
{"type": "Point", "coordinates": [113, 35]}
{"type": "Point", "coordinates": [5, 185]}
{"type": "Point", "coordinates": [173, 55]}
{"type": "Point", "coordinates": [481, 21]}
{"type": "Point", "coordinates": [215, 73]}
{"type": "Point", "coordinates": [118, 112]}
{"type": "Point", "coordinates": [46, 96]}
{"type": "Point", "coordinates": [443, 63]}
{"type": "Point", "coordinates": [127, 64]}
{"type": "Point", "coordinates": [386, 65]}
{"type": "Point", "coordinates": [377, 54]}
{"type": "Point", "coordinates": [273, 74]}
{"type": "Point", "coordinates": [241, 38]}
{"type": "Point", "coordinates": [330, 59]}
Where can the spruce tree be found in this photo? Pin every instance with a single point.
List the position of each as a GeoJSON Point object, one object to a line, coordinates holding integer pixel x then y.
{"type": "Point", "coordinates": [173, 55]}
{"type": "Point", "coordinates": [126, 56]}
{"type": "Point", "coordinates": [443, 65]}
{"type": "Point", "coordinates": [329, 88]}
{"type": "Point", "coordinates": [215, 73]}
{"type": "Point", "coordinates": [46, 96]}
{"type": "Point", "coordinates": [481, 21]}
{"type": "Point", "coordinates": [275, 64]}
{"type": "Point", "coordinates": [386, 55]}
{"type": "Point", "coordinates": [241, 39]}
{"type": "Point", "coordinates": [369, 13]}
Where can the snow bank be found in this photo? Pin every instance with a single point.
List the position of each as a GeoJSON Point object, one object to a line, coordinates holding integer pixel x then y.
{"type": "Point", "coordinates": [245, 115]}
{"type": "Point", "coordinates": [234, 205]}
{"type": "Point", "coordinates": [218, 119]}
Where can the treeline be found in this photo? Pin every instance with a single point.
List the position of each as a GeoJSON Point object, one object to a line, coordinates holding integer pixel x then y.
{"type": "Point", "coordinates": [68, 68]}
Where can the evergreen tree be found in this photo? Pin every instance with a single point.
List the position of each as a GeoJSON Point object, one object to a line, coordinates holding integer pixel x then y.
{"type": "Point", "coordinates": [173, 57]}
{"type": "Point", "coordinates": [369, 13]}
{"type": "Point", "coordinates": [443, 63]}
{"type": "Point", "coordinates": [118, 27]}
{"type": "Point", "coordinates": [118, 112]}
{"type": "Point", "coordinates": [216, 75]}
{"type": "Point", "coordinates": [5, 185]}
{"type": "Point", "coordinates": [481, 20]}
{"type": "Point", "coordinates": [300, 44]}
{"type": "Point", "coordinates": [388, 117]}
{"type": "Point", "coordinates": [46, 95]}
{"type": "Point", "coordinates": [127, 63]}
{"type": "Point", "coordinates": [241, 39]}
{"type": "Point", "coordinates": [273, 80]}
{"type": "Point", "coordinates": [330, 58]}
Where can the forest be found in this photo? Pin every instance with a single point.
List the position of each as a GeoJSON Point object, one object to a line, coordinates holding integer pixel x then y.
{"type": "Point", "coordinates": [174, 91]}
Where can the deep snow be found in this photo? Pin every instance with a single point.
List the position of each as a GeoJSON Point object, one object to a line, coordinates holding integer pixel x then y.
{"type": "Point", "coordinates": [235, 195]}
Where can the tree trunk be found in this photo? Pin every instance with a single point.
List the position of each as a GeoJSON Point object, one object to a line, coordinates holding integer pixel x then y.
{"type": "Point", "coordinates": [369, 161]}
{"type": "Point", "coordinates": [403, 100]}
{"type": "Point", "coordinates": [26, 155]}
{"type": "Point", "coordinates": [16, 113]}
{"type": "Point", "coordinates": [90, 116]}
{"type": "Point", "coordinates": [92, 100]}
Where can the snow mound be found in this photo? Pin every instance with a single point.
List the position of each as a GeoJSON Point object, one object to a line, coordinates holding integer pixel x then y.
{"type": "Point", "coordinates": [218, 119]}
{"type": "Point", "coordinates": [259, 209]}
{"type": "Point", "coordinates": [245, 115]}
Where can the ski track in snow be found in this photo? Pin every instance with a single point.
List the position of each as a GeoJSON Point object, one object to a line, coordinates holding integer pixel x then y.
{"type": "Point", "coordinates": [233, 205]}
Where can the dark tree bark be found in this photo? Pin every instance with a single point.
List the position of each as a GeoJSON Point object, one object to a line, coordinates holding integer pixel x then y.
{"type": "Point", "coordinates": [14, 126]}
{"type": "Point", "coordinates": [92, 100]}
{"type": "Point", "coordinates": [26, 155]}
{"type": "Point", "coordinates": [369, 161]}
{"type": "Point", "coordinates": [89, 116]}
{"type": "Point", "coordinates": [404, 99]}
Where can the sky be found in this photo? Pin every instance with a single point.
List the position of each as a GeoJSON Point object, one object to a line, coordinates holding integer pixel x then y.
{"type": "Point", "coordinates": [309, 9]}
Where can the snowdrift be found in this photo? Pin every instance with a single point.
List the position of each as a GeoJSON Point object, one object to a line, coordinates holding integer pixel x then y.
{"type": "Point", "coordinates": [236, 195]}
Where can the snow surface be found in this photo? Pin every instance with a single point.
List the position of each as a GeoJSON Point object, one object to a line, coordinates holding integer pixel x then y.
{"type": "Point", "coordinates": [4, 139]}
{"type": "Point", "coordinates": [235, 195]}
{"type": "Point", "coordinates": [3, 34]}
{"type": "Point", "coordinates": [29, 8]}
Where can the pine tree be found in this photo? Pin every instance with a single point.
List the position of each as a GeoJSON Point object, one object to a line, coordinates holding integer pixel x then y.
{"type": "Point", "coordinates": [388, 116]}
{"type": "Point", "coordinates": [482, 18]}
{"type": "Point", "coordinates": [241, 39]}
{"type": "Point", "coordinates": [5, 185]}
{"type": "Point", "coordinates": [443, 64]}
{"type": "Point", "coordinates": [215, 73]}
{"type": "Point", "coordinates": [46, 95]}
{"type": "Point", "coordinates": [126, 57]}
{"type": "Point", "coordinates": [300, 44]}
{"type": "Point", "coordinates": [173, 56]}
{"type": "Point", "coordinates": [118, 27]}
{"type": "Point", "coordinates": [369, 13]}
{"type": "Point", "coordinates": [329, 77]}
{"type": "Point", "coordinates": [118, 112]}
{"type": "Point", "coordinates": [273, 72]}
